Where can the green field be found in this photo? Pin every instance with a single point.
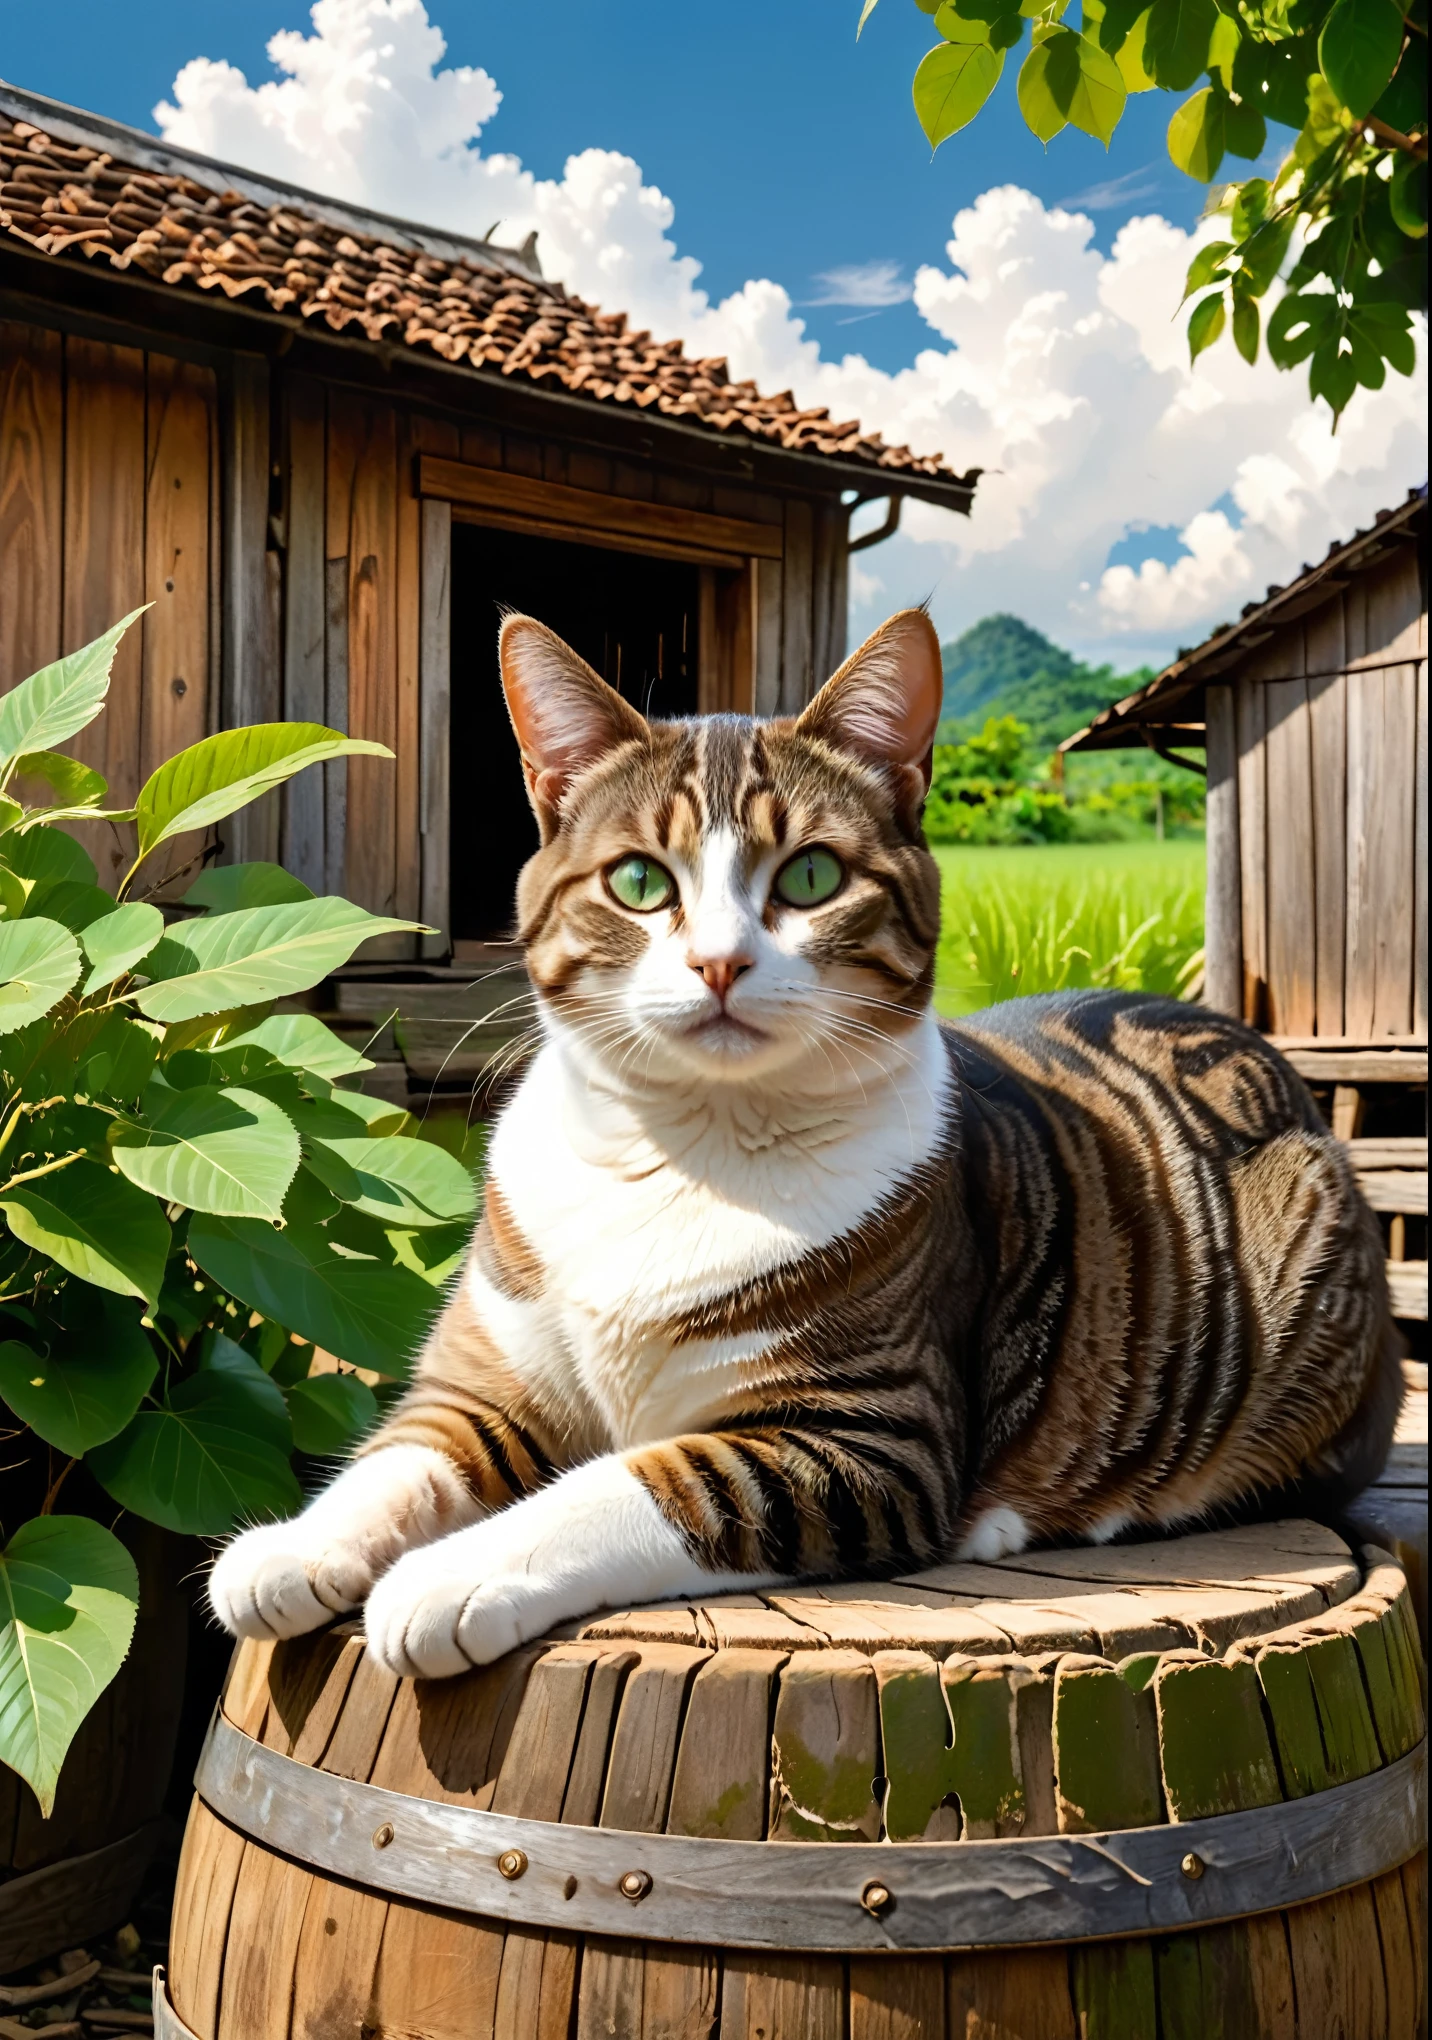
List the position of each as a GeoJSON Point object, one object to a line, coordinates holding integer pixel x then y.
{"type": "Point", "coordinates": [1050, 917]}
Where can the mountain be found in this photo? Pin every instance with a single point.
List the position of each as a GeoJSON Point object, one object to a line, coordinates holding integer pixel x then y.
{"type": "Point", "coordinates": [1002, 666]}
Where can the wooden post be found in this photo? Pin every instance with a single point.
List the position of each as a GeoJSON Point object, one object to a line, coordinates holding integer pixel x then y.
{"type": "Point", "coordinates": [249, 686]}
{"type": "Point", "coordinates": [1223, 909]}
{"type": "Point", "coordinates": [435, 691]}
{"type": "Point", "coordinates": [303, 629]}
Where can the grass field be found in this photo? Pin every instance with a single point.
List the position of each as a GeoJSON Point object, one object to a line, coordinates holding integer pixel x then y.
{"type": "Point", "coordinates": [1055, 916]}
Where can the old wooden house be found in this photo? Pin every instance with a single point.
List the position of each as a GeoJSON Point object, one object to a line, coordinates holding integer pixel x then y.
{"type": "Point", "coordinates": [326, 446]}
{"type": "Point", "coordinates": [1312, 710]}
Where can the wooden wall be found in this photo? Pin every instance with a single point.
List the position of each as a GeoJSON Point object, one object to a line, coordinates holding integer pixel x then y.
{"type": "Point", "coordinates": [273, 519]}
{"type": "Point", "coordinates": [1318, 874]}
{"type": "Point", "coordinates": [108, 499]}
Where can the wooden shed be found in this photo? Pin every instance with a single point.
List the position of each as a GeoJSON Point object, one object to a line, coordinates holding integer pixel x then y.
{"type": "Point", "coordinates": [326, 445]}
{"type": "Point", "coordinates": [1312, 709]}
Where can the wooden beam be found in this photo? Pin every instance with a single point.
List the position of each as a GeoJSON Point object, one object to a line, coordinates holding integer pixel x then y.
{"type": "Point", "coordinates": [1359, 1065]}
{"type": "Point", "coordinates": [435, 690]}
{"type": "Point", "coordinates": [249, 685]}
{"type": "Point", "coordinates": [1223, 909]}
{"type": "Point", "coordinates": [588, 514]}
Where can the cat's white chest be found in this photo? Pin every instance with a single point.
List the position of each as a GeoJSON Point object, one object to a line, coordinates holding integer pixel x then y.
{"type": "Point", "coordinates": [634, 1234]}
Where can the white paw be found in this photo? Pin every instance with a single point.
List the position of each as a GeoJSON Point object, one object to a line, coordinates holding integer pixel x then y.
{"type": "Point", "coordinates": [268, 1585]}
{"type": "Point", "coordinates": [434, 1614]}
{"type": "Point", "coordinates": [283, 1579]}
{"type": "Point", "coordinates": [997, 1533]}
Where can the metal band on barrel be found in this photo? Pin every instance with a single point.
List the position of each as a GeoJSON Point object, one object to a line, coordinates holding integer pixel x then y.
{"type": "Point", "coordinates": [167, 2023]}
{"type": "Point", "coordinates": [849, 1897]}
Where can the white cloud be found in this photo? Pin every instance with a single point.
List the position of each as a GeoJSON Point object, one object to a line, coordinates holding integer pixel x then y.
{"type": "Point", "coordinates": [1061, 371]}
{"type": "Point", "coordinates": [863, 283]}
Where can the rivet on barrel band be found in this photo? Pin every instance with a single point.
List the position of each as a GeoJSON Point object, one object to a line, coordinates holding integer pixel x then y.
{"type": "Point", "coordinates": [511, 1864]}
{"type": "Point", "coordinates": [1192, 1866]}
{"type": "Point", "coordinates": [634, 1885]}
{"type": "Point", "coordinates": [876, 1898]}
{"type": "Point", "coordinates": [383, 1835]}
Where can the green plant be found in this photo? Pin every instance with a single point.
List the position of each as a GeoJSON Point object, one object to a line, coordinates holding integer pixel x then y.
{"type": "Point", "coordinates": [193, 1199]}
{"type": "Point", "coordinates": [1348, 204]}
{"type": "Point", "coordinates": [1056, 919]}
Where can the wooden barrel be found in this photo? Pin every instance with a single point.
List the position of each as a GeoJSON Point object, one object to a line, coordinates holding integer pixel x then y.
{"type": "Point", "coordinates": [1164, 1790]}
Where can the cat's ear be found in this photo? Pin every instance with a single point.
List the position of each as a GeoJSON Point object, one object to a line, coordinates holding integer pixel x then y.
{"type": "Point", "coordinates": [565, 715]}
{"type": "Point", "coordinates": [884, 703]}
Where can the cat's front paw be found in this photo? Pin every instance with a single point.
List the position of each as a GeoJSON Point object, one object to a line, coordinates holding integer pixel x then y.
{"type": "Point", "coordinates": [278, 1581]}
{"type": "Point", "coordinates": [435, 1614]}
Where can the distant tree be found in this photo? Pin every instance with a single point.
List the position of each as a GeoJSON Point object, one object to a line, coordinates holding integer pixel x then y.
{"type": "Point", "coordinates": [1342, 222]}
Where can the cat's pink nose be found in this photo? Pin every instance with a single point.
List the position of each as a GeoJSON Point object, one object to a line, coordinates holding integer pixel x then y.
{"type": "Point", "coordinates": [721, 972]}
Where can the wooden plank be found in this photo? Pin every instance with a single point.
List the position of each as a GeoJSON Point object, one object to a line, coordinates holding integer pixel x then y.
{"type": "Point", "coordinates": [1228, 1979]}
{"type": "Point", "coordinates": [990, 1994]}
{"type": "Point", "coordinates": [305, 700]}
{"type": "Point", "coordinates": [209, 1865]}
{"type": "Point", "coordinates": [1419, 857]}
{"type": "Point", "coordinates": [1325, 647]}
{"type": "Point", "coordinates": [32, 441]}
{"type": "Point", "coordinates": [710, 673]}
{"type": "Point", "coordinates": [435, 657]}
{"type": "Point", "coordinates": [799, 1995]}
{"type": "Point", "coordinates": [104, 551]}
{"type": "Point", "coordinates": [921, 1802]}
{"type": "Point", "coordinates": [406, 775]}
{"type": "Point", "coordinates": [604, 541]}
{"type": "Point", "coordinates": [1407, 1290]}
{"type": "Point", "coordinates": [1360, 1066]}
{"type": "Point", "coordinates": [618, 1976]}
{"type": "Point", "coordinates": [797, 668]}
{"type": "Point", "coordinates": [1399, 1151]}
{"type": "Point", "coordinates": [1223, 911]}
{"type": "Point", "coordinates": [770, 577]}
{"type": "Point", "coordinates": [1337, 1967]}
{"type": "Point", "coordinates": [722, 1767]}
{"type": "Point", "coordinates": [584, 513]}
{"type": "Point", "coordinates": [1292, 908]}
{"type": "Point", "coordinates": [1106, 1749]}
{"type": "Point", "coordinates": [830, 538]}
{"type": "Point", "coordinates": [897, 1998]}
{"type": "Point", "coordinates": [1402, 1190]}
{"type": "Point", "coordinates": [340, 462]}
{"type": "Point", "coordinates": [370, 430]}
{"type": "Point", "coordinates": [250, 688]}
{"type": "Point", "coordinates": [182, 402]}
{"type": "Point", "coordinates": [1251, 710]}
{"type": "Point", "coordinates": [825, 1749]}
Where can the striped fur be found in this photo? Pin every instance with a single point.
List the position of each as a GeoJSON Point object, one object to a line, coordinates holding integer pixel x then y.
{"type": "Point", "coordinates": [778, 1278]}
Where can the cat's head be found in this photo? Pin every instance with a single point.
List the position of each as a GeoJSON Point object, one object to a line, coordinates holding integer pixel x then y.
{"type": "Point", "coordinates": [722, 897]}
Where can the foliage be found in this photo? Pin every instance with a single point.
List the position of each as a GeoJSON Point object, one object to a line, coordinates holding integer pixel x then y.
{"type": "Point", "coordinates": [1339, 225]}
{"type": "Point", "coordinates": [988, 789]}
{"type": "Point", "coordinates": [193, 1199]}
{"type": "Point", "coordinates": [1003, 666]}
{"type": "Point", "coordinates": [1044, 920]}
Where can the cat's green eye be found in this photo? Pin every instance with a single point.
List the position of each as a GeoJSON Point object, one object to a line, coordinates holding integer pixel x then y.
{"type": "Point", "coordinates": [813, 876]}
{"type": "Point", "coordinates": [641, 885]}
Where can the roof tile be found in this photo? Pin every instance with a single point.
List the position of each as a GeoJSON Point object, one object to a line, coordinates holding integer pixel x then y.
{"type": "Point", "coordinates": [67, 198]}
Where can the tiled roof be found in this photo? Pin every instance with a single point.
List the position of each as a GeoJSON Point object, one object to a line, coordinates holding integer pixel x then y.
{"type": "Point", "coordinates": [1166, 703]}
{"type": "Point", "coordinates": [101, 200]}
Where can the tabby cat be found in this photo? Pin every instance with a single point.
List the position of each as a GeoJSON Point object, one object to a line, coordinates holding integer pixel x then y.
{"type": "Point", "coordinates": [777, 1277]}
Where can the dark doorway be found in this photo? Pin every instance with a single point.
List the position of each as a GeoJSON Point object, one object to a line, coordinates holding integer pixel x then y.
{"type": "Point", "coordinates": [633, 619]}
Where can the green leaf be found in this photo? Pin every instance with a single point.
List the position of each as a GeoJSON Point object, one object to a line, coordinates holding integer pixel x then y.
{"type": "Point", "coordinates": [399, 1182]}
{"type": "Point", "coordinates": [1086, 84]}
{"type": "Point", "coordinates": [1177, 44]}
{"type": "Point", "coordinates": [1358, 51]}
{"type": "Point", "coordinates": [58, 700]}
{"type": "Point", "coordinates": [961, 28]}
{"type": "Point", "coordinates": [75, 785]}
{"type": "Point", "coordinates": [69, 1594]}
{"type": "Point", "coordinates": [1245, 326]}
{"type": "Point", "coordinates": [302, 1042]}
{"type": "Point", "coordinates": [214, 1456]}
{"type": "Point", "coordinates": [1204, 266]}
{"type": "Point", "coordinates": [95, 1225]}
{"type": "Point", "coordinates": [1250, 208]}
{"type": "Point", "coordinates": [10, 813]}
{"type": "Point", "coordinates": [360, 1311]}
{"type": "Point", "coordinates": [1332, 375]}
{"type": "Point", "coordinates": [331, 1412]}
{"type": "Point", "coordinates": [1223, 47]}
{"type": "Point", "coordinates": [1043, 115]}
{"type": "Point", "coordinates": [1298, 324]}
{"type": "Point", "coordinates": [952, 84]}
{"type": "Point", "coordinates": [73, 903]}
{"type": "Point", "coordinates": [1245, 132]}
{"type": "Point", "coordinates": [39, 963]}
{"type": "Point", "coordinates": [1205, 323]}
{"type": "Point", "coordinates": [865, 13]}
{"type": "Point", "coordinates": [1131, 56]}
{"type": "Point", "coordinates": [120, 1060]}
{"type": "Point", "coordinates": [47, 857]}
{"type": "Point", "coordinates": [1195, 135]}
{"type": "Point", "coordinates": [224, 888]}
{"type": "Point", "coordinates": [117, 941]}
{"type": "Point", "coordinates": [1408, 196]}
{"type": "Point", "coordinates": [1404, 104]}
{"type": "Point", "coordinates": [255, 954]}
{"type": "Point", "coordinates": [226, 1150]}
{"type": "Point", "coordinates": [87, 1388]}
{"type": "Point", "coordinates": [223, 773]}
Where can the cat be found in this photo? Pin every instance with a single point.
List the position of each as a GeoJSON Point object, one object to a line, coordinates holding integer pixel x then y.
{"type": "Point", "coordinates": [779, 1278]}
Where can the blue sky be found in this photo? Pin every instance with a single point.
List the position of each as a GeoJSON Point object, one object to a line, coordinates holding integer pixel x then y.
{"type": "Point", "coordinates": [1130, 501]}
{"type": "Point", "coordinates": [789, 151]}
